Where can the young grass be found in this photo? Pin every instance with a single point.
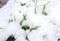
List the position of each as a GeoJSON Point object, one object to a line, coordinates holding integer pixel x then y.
{"type": "Point", "coordinates": [43, 10]}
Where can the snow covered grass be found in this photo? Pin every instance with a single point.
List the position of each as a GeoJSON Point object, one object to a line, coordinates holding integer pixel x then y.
{"type": "Point", "coordinates": [30, 20]}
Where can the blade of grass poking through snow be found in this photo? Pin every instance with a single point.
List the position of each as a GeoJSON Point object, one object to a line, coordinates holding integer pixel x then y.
{"type": "Point", "coordinates": [35, 7]}
{"type": "Point", "coordinates": [34, 28]}
{"type": "Point", "coordinates": [25, 28]}
{"type": "Point", "coordinates": [43, 10]}
{"type": "Point", "coordinates": [21, 22]}
{"type": "Point", "coordinates": [11, 38]}
{"type": "Point", "coordinates": [27, 37]}
{"type": "Point", "coordinates": [35, 10]}
{"type": "Point", "coordinates": [24, 18]}
{"type": "Point", "coordinates": [14, 18]}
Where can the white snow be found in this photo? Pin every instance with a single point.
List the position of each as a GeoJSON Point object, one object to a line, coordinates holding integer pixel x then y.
{"type": "Point", "coordinates": [49, 29]}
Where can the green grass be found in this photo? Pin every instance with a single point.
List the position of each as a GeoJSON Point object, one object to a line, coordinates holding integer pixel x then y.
{"type": "Point", "coordinates": [43, 10]}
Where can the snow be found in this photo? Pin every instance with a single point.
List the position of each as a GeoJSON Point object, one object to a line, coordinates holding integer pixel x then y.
{"type": "Point", "coordinates": [49, 29]}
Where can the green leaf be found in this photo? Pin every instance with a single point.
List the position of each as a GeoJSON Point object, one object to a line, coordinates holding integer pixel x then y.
{"type": "Point", "coordinates": [11, 38]}
{"type": "Point", "coordinates": [14, 18]}
{"type": "Point", "coordinates": [21, 22]}
{"type": "Point", "coordinates": [35, 10]}
{"type": "Point", "coordinates": [44, 6]}
{"type": "Point", "coordinates": [25, 28]}
{"type": "Point", "coordinates": [44, 13]}
{"type": "Point", "coordinates": [24, 17]}
{"type": "Point", "coordinates": [34, 28]}
{"type": "Point", "coordinates": [43, 10]}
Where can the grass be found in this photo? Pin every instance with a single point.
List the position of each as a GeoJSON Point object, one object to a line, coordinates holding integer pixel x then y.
{"type": "Point", "coordinates": [35, 10]}
{"type": "Point", "coordinates": [43, 10]}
